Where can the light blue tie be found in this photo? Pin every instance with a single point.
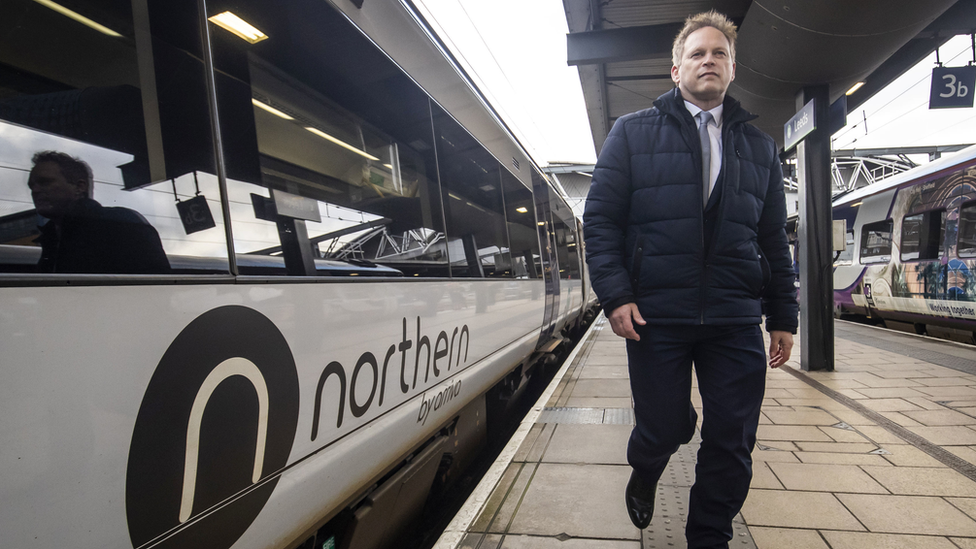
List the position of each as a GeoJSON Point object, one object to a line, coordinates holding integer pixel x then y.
{"type": "Point", "coordinates": [706, 145]}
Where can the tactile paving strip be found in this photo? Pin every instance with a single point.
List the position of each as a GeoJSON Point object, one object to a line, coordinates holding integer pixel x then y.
{"type": "Point", "coordinates": [587, 416]}
{"type": "Point", "coordinates": [619, 416]}
{"type": "Point", "coordinates": [667, 528]}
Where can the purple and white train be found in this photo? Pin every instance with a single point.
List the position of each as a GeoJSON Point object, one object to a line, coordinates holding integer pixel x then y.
{"type": "Point", "coordinates": [911, 249]}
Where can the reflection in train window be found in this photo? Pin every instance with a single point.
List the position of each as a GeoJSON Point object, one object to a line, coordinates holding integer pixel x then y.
{"type": "Point", "coordinates": [563, 228]}
{"type": "Point", "coordinates": [967, 230]}
{"type": "Point", "coordinates": [522, 233]}
{"type": "Point", "coordinates": [347, 172]}
{"type": "Point", "coordinates": [923, 235]}
{"type": "Point", "coordinates": [91, 83]}
{"type": "Point", "coordinates": [876, 242]}
{"type": "Point", "coordinates": [472, 199]}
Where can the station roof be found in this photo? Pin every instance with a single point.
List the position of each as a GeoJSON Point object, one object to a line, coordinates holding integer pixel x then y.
{"type": "Point", "coordinates": [622, 49]}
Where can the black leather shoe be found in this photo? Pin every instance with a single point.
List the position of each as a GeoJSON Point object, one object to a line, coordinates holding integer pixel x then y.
{"type": "Point", "coordinates": [640, 500]}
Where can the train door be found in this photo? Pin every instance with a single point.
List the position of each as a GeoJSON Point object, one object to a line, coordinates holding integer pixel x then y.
{"type": "Point", "coordinates": [563, 230]}
{"type": "Point", "coordinates": [550, 265]}
{"type": "Point", "coordinates": [584, 275]}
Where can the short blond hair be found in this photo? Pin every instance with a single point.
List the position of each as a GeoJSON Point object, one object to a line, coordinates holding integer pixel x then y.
{"type": "Point", "coordinates": [707, 19]}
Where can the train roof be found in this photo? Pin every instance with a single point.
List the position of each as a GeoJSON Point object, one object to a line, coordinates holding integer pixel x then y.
{"type": "Point", "coordinates": [922, 172]}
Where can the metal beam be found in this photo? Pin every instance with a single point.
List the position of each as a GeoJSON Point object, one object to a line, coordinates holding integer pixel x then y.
{"type": "Point", "coordinates": [638, 77]}
{"type": "Point", "coordinates": [597, 47]}
{"type": "Point", "coordinates": [569, 168]}
{"type": "Point", "coordinates": [894, 151]}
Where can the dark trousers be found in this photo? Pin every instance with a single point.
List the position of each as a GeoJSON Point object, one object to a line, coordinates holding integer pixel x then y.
{"type": "Point", "coordinates": [730, 362]}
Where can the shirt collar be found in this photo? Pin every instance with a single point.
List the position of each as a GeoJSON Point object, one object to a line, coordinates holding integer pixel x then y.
{"type": "Point", "coordinates": [716, 112]}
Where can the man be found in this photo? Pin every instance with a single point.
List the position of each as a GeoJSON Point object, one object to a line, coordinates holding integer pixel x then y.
{"type": "Point", "coordinates": [82, 236]}
{"type": "Point", "coordinates": [686, 244]}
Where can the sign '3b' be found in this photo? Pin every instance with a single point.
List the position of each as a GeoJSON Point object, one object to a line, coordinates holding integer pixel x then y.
{"type": "Point", "coordinates": [952, 87]}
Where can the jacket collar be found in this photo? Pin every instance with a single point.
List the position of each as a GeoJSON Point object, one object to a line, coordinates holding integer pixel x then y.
{"type": "Point", "coordinates": [672, 104]}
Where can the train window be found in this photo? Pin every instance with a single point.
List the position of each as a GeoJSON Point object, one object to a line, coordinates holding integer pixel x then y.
{"type": "Point", "coordinates": [876, 242]}
{"type": "Point", "coordinates": [345, 179]}
{"type": "Point", "coordinates": [524, 238]}
{"type": "Point", "coordinates": [923, 235]}
{"type": "Point", "coordinates": [564, 226]}
{"type": "Point", "coordinates": [967, 230]}
{"type": "Point", "coordinates": [124, 180]}
{"type": "Point", "coordinates": [846, 257]}
{"type": "Point", "coordinates": [472, 197]}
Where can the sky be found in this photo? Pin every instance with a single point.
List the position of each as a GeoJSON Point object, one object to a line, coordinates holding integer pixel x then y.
{"type": "Point", "coordinates": [515, 51]}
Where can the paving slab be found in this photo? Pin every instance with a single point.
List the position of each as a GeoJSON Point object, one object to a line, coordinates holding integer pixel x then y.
{"type": "Point", "coordinates": [800, 417]}
{"type": "Point", "coordinates": [792, 433]}
{"type": "Point", "coordinates": [842, 459]}
{"type": "Point", "coordinates": [922, 481]}
{"type": "Point", "coordinates": [615, 359]}
{"type": "Point", "coordinates": [782, 538]}
{"type": "Point", "coordinates": [908, 515]}
{"type": "Point", "coordinates": [578, 500]}
{"type": "Point", "coordinates": [537, 542]}
{"type": "Point", "coordinates": [604, 372]}
{"type": "Point", "coordinates": [619, 388]}
{"type": "Point", "coordinates": [933, 418]}
{"type": "Point", "coordinates": [598, 444]}
{"type": "Point", "coordinates": [599, 402]}
{"type": "Point", "coordinates": [815, 477]}
{"type": "Point", "coordinates": [946, 436]}
{"type": "Point", "coordinates": [797, 510]}
{"type": "Point", "coordinates": [860, 540]}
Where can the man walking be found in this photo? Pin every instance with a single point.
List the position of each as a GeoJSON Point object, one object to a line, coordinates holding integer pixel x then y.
{"type": "Point", "coordinates": [687, 248]}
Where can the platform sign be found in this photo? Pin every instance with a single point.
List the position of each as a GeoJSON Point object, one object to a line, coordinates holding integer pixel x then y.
{"type": "Point", "coordinates": [195, 214]}
{"type": "Point", "coordinates": [802, 123]}
{"type": "Point", "coordinates": [952, 87]}
{"type": "Point", "coordinates": [298, 207]}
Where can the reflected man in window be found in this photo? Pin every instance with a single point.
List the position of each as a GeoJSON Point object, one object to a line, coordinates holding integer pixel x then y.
{"type": "Point", "coordinates": [82, 236]}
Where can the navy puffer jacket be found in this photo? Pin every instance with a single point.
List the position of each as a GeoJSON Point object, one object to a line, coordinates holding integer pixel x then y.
{"type": "Point", "coordinates": [644, 223]}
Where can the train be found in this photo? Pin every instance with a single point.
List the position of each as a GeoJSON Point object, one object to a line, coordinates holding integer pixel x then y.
{"type": "Point", "coordinates": [366, 270]}
{"type": "Point", "coordinates": [910, 254]}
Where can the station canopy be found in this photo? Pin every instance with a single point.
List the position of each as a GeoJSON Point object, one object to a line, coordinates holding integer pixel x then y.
{"type": "Point", "coordinates": [622, 49]}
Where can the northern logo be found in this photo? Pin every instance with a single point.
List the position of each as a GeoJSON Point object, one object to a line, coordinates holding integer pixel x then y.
{"type": "Point", "coordinates": [218, 419]}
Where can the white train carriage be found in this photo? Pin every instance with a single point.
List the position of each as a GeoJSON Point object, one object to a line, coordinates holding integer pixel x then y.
{"type": "Point", "coordinates": [363, 269]}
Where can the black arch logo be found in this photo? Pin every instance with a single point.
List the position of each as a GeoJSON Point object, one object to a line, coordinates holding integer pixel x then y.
{"type": "Point", "coordinates": [219, 415]}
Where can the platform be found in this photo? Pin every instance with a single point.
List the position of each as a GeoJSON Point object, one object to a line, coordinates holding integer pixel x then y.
{"type": "Point", "coordinates": [880, 453]}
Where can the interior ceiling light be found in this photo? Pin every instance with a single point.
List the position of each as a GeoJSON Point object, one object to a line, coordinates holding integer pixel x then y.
{"type": "Point", "coordinates": [270, 109]}
{"type": "Point", "coordinates": [234, 24]}
{"type": "Point", "coordinates": [341, 143]}
{"type": "Point", "coordinates": [522, 209]}
{"type": "Point", "coordinates": [854, 88]}
{"type": "Point", "coordinates": [78, 17]}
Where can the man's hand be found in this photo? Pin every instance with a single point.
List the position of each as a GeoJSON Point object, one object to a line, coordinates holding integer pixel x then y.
{"type": "Point", "coordinates": [780, 347]}
{"type": "Point", "coordinates": [622, 321]}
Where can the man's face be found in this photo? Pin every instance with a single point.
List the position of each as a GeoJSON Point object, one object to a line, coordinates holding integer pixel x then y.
{"type": "Point", "coordinates": [53, 195]}
{"type": "Point", "coordinates": [706, 68]}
